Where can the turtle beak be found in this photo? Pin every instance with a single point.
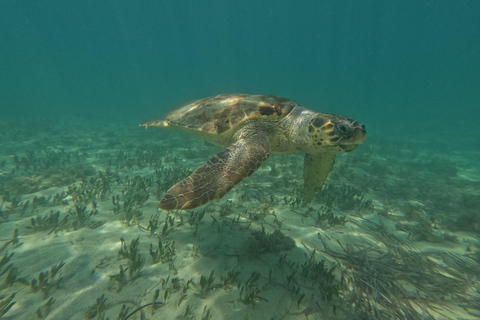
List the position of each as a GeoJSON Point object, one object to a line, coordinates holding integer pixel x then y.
{"type": "Point", "coordinates": [360, 133]}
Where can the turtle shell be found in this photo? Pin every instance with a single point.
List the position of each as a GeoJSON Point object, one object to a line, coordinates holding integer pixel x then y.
{"type": "Point", "coordinates": [221, 113]}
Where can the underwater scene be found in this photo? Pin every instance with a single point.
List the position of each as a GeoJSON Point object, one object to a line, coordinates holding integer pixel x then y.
{"type": "Point", "coordinates": [356, 196]}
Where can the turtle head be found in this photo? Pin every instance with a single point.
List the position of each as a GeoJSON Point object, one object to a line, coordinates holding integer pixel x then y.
{"type": "Point", "coordinates": [330, 132]}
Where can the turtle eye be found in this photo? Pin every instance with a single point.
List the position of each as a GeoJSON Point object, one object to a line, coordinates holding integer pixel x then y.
{"type": "Point", "coordinates": [344, 129]}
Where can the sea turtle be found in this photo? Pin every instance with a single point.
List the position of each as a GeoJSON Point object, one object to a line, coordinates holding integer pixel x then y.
{"type": "Point", "coordinates": [250, 127]}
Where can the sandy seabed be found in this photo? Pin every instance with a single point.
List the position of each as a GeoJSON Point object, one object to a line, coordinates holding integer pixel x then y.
{"type": "Point", "coordinates": [395, 234]}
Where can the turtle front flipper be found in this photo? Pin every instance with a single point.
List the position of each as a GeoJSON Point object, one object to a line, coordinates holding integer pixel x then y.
{"type": "Point", "coordinates": [219, 175]}
{"type": "Point", "coordinates": [315, 171]}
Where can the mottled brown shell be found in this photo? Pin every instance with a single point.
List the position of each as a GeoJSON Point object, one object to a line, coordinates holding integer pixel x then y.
{"type": "Point", "coordinates": [225, 112]}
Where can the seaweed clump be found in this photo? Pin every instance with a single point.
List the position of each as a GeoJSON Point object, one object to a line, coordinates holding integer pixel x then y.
{"type": "Point", "coordinates": [37, 171]}
{"type": "Point", "coordinates": [345, 197]}
{"type": "Point", "coordinates": [262, 242]}
{"type": "Point", "coordinates": [391, 281]}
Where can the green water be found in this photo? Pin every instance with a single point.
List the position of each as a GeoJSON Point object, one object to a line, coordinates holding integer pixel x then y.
{"type": "Point", "coordinates": [395, 231]}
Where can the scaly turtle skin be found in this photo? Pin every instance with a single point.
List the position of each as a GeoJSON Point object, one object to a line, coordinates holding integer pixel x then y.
{"type": "Point", "coordinates": [250, 127]}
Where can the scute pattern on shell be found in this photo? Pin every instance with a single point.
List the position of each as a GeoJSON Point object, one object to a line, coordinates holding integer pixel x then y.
{"type": "Point", "coordinates": [221, 113]}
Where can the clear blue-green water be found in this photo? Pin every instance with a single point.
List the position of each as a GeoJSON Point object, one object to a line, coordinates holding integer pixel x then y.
{"type": "Point", "coordinates": [76, 78]}
{"type": "Point", "coordinates": [389, 63]}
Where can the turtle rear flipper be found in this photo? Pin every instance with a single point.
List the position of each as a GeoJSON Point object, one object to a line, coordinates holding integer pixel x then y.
{"type": "Point", "coordinates": [315, 171]}
{"type": "Point", "coordinates": [219, 175]}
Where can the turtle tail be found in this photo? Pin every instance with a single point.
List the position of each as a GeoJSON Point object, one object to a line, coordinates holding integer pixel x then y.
{"type": "Point", "coordinates": [155, 123]}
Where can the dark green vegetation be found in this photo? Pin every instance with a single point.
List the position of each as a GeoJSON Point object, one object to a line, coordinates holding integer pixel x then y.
{"type": "Point", "coordinates": [6, 304]}
{"type": "Point", "coordinates": [135, 259]}
{"type": "Point", "coordinates": [352, 254]}
{"type": "Point", "coordinates": [47, 280]}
